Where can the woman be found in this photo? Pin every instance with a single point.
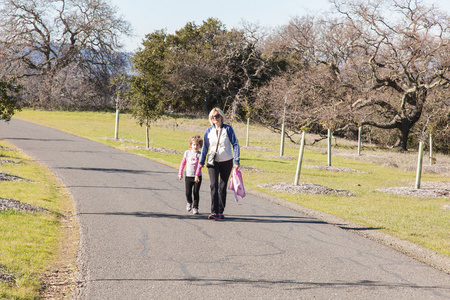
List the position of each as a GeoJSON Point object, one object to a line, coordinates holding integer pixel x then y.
{"type": "Point", "coordinates": [220, 172]}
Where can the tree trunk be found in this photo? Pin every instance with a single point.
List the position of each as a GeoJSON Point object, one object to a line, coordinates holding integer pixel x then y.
{"type": "Point", "coordinates": [402, 142]}
{"type": "Point", "coordinates": [45, 93]}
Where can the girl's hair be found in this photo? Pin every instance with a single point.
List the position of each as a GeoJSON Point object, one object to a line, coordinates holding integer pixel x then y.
{"type": "Point", "coordinates": [197, 139]}
{"type": "Point", "coordinates": [212, 112]}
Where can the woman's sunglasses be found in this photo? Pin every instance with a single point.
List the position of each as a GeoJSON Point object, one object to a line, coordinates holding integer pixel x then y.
{"type": "Point", "coordinates": [216, 116]}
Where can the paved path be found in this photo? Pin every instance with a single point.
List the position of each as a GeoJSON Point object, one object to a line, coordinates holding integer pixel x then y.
{"type": "Point", "coordinates": [138, 242]}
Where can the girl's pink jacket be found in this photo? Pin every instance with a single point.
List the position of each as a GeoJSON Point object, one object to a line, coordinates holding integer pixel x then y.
{"type": "Point", "coordinates": [237, 184]}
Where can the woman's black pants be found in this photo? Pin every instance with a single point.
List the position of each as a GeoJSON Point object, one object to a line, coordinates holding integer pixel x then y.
{"type": "Point", "coordinates": [219, 175]}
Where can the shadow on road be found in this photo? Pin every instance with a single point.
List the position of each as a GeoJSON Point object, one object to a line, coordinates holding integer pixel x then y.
{"type": "Point", "coordinates": [289, 284]}
{"type": "Point", "coordinates": [114, 170]}
{"type": "Point", "coordinates": [229, 218]}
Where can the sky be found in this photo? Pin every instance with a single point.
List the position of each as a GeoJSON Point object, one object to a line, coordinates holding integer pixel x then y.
{"type": "Point", "coordinates": [146, 16]}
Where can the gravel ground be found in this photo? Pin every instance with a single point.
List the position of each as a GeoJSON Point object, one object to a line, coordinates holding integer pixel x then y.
{"type": "Point", "coordinates": [304, 188]}
{"type": "Point", "coordinates": [428, 189]}
{"type": "Point", "coordinates": [154, 149]}
{"type": "Point", "coordinates": [8, 177]}
{"type": "Point", "coordinates": [6, 204]}
{"type": "Point", "coordinates": [333, 169]}
{"type": "Point", "coordinates": [8, 278]}
{"type": "Point", "coordinates": [439, 189]}
{"type": "Point", "coordinates": [6, 148]}
{"type": "Point", "coordinates": [8, 161]}
{"type": "Point", "coordinates": [255, 148]}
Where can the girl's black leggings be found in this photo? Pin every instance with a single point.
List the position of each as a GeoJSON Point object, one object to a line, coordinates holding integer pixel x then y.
{"type": "Point", "coordinates": [193, 188]}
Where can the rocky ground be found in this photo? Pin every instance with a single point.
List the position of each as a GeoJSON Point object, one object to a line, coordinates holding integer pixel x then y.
{"type": "Point", "coordinates": [304, 188]}
{"type": "Point", "coordinates": [8, 177]}
{"type": "Point", "coordinates": [6, 204]}
{"type": "Point", "coordinates": [435, 189]}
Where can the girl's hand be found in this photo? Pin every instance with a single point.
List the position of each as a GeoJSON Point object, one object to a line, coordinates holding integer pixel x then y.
{"type": "Point", "coordinates": [197, 179]}
{"type": "Point", "coordinates": [236, 166]}
{"type": "Point", "coordinates": [180, 176]}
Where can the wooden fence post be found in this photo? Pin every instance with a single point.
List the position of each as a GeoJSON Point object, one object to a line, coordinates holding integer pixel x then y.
{"type": "Point", "coordinates": [329, 148]}
{"type": "Point", "coordinates": [300, 158]}
{"type": "Point", "coordinates": [419, 165]}
{"type": "Point", "coordinates": [248, 129]}
{"type": "Point", "coordinates": [359, 140]}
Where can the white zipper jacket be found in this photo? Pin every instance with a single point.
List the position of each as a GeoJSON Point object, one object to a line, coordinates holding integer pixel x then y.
{"type": "Point", "coordinates": [228, 144]}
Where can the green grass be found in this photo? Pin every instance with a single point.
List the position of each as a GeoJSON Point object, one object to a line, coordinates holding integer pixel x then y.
{"type": "Point", "coordinates": [419, 220]}
{"type": "Point", "coordinates": [29, 241]}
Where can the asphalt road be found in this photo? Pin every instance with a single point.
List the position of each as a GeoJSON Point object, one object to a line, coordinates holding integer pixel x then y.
{"type": "Point", "coordinates": [138, 241]}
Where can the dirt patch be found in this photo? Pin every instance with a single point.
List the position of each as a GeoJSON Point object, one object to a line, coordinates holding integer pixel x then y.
{"type": "Point", "coordinates": [255, 148]}
{"type": "Point", "coordinates": [63, 280]}
{"type": "Point", "coordinates": [8, 177]}
{"type": "Point", "coordinates": [429, 189]}
{"type": "Point", "coordinates": [406, 161]}
{"type": "Point", "coordinates": [285, 157]}
{"type": "Point", "coordinates": [8, 278]}
{"type": "Point", "coordinates": [304, 188]}
{"type": "Point", "coordinates": [251, 169]}
{"type": "Point", "coordinates": [433, 169]}
{"type": "Point", "coordinates": [61, 284]}
{"type": "Point", "coordinates": [7, 204]}
{"type": "Point", "coordinates": [8, 161]}
{"type": "Point", "coordinates": [333, 169]}
{"type": "Point", "coordinates": [6, 148]}
{"type": "Point", "coordinates": [122, 140]}
{"type": "Point", "coordinates": [154, 149]}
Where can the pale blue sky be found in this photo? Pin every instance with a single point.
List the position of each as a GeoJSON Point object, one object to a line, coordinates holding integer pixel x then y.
{"type": "Point", "coordinates": [147, 16]}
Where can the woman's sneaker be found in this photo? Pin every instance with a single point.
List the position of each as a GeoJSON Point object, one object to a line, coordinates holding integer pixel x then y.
{"type": "Point", "coordinates": [189, 206]}
{"type": "Point", "coordinates": [221, 216]}
{"type": "Point", "coordinates": [213, 216]}
{"type": "Point", "coordinates": [195, 211]}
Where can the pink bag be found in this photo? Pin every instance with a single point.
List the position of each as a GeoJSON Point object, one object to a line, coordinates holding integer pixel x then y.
{"type": "Point", "coordinates": [236, 184]}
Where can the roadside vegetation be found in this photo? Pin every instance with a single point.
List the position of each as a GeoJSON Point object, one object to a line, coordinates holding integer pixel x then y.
{"type": "Point", "coordinates": [36, 222]}
{"type": "Point", "coordinates": [421, 220]}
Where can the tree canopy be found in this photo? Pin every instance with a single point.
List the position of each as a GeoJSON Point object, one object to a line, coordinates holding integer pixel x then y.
{"type": "Point", "coordinates": [8, 98]}
{"type": "Point", "coordinates": [55, 47]}
{"type": "Point", "coordinates": [376, 64]}
{"type": "Point", "coordinates": [382, 65]}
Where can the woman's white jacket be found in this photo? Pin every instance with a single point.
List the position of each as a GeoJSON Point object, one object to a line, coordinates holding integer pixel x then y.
{"type": "Point", "coordinates": [228, 142]}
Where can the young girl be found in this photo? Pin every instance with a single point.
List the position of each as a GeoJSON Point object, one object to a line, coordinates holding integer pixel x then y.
{"type": "Point", "coordinates": [193, 177]}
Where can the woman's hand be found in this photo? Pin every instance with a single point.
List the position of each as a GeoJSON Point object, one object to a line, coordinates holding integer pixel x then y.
{"type": "Point", "coordinates": [236, 166]}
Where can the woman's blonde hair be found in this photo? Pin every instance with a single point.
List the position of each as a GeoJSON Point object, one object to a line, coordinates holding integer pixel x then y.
{"type": "Point", "coordinates": [212, 112]}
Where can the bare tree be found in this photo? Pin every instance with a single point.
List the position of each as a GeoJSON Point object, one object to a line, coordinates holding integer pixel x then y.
{"type": "Point", "coordinates": [314, 90]}
{"type": "Point", "coordinates": [404, 56]}
{"type": "Point", "coordinates": [42, 38]}
{"type": "Point", "coordinates": [246, 68]}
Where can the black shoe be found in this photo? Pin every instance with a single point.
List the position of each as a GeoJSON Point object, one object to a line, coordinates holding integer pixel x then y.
{"type": "Point", "coordinates": [221, 216]}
